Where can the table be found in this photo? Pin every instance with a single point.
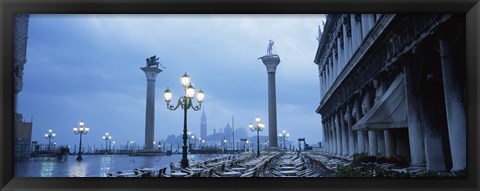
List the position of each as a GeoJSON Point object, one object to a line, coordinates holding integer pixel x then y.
{"type": "Point", "coordinates": [178, 174]}
{"type": "Point", "coordinates": [289, 172]}
{"type": "Point", "coordinates": [231, 174]}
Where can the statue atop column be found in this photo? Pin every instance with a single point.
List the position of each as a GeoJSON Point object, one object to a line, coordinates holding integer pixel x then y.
{"type": "Point", "coordinates": [270, 47]}
{"type": "Point", "coordinates": [153, 61]}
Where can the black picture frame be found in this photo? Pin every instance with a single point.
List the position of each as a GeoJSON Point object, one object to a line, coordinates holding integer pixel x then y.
{"type": "Point", "coordinates": [8, 8]}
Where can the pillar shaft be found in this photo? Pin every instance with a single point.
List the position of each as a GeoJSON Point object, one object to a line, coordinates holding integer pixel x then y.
{"type": "Point", "coordinates": [365, 25]}
{"type": "Point", "coordinates": [151, 74]}
{"type": "Point", "coordinates": [347, 41]}
{"type": "Point", "coordinates": [455, 107]}
{"type": "Point", "coordinates": [338, 134]}
{"type": "Point", "coordinates": [271, 62]}
{"type": "Point", "coordinates": [351, 142]}
{"type": "Point", "coordinates": [390, 147]}
{"type": "Point", "coordinates": [333, 64]}
{"type": "Point", "coordinates": [354, 29]}
{"type": "Point", "coordinates": [371, 21]}
{"type": "Point", "coordinates": [360, 137]}
{"type": "Point", "coordinates": [380, 143]}
{"type": "Point", "coordinates": [341, 57]}
{"type": "Point", "coordinates": [415, 129]}
{"type": "Point", "coordinates": [272, 111]}
{"type": "Point", "coordinates": [333, 135]}
{"type": "Point", "coordinates": [372, 143]}
{"type": "Point", "coordinates": [343, 127]}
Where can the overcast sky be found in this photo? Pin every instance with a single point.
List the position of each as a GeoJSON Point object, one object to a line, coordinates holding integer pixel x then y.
{"type": "Point", "coordinates": [87, 67]}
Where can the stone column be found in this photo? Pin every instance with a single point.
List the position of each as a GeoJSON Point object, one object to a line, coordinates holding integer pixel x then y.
{"type": "Point", "coordinates": [351, 142]}
{"type": "Point", "coordinates": [320, 76]}
{"type": "Point", "coordinates": [338, 134]}
{"type": "Point", "coordinates": [380, 86]}
{"type": "Point", "coordinates": [354, 31]}
{"type": "Point", "coordinates": [329, 137]}
{"type": "Point", "coordinates": [343, 127]}
{"type": "Point", "coordinates": [333, 141]}
{"type": "Point", "coordinates": [357, 114]}
{"type": "Point", "coordinates": [327, 77]}
{"type": "Point", "coordinates": [415, 129]}
{"type": "Point", "coordinates": [334, 64]}
{"type": "Point", "coordinates": [380, 143]}
{"type": "Point", "coordinates": [151, 74]}
{"type": "Point", "coordinates": [20, 37]}
{"type": "Point", "coordinates": [435, 158]}
{"type": "Point", "coordinates": [334, 135]}
{"type": "Point", "coordinates": [358, 21]}
{"type": "Point", "coordinates": [327, 132]}
{"type": "Point", "coordinates": [271, 62]}
{"type": "Point", "coordinates": [390, 146]}
{"type": "Point", "coordinates": [454, 106]}
{"type": "Point", "coordinates": [347, 41]}
{"type": "Point", "coordinates": [365, 25]}
{"type": "Point", "coordinates": [366, 141]}
{"type": "Point", "coordinates": [341, 54]}
{"type": "Point", "coordinates": [371, 21]}
{"type": "Point", "coordinates": [372, 137]}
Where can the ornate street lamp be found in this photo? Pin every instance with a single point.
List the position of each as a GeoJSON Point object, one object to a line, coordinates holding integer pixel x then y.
{"type": "Point", "coordinates": [185, 102]}
{"type": "Point", "coordinates": [284, 134]}
{"type": "Point", "coordinates": [81, 130]}
{"type": "Point", "coordinates": [50, 135]}
{"type": "Point", "coordinates": [259, 127]}
{"type": "Point", "coordinates": [106, 138]}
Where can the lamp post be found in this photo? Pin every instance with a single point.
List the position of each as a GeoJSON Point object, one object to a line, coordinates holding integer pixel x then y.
{"type": "Point", "coordinates": [244, 141]}
{"type": "Point", "coordinates": [194, 142]}
{"type": "Point", "coordinates": [185, 102]}
{"type": "Point", "coordinates": [203, 143]}
{"type": "Point", "coordinates": [113, 142]}
{"type": "Point", "coordinates": [259, 127]}
{"type": "Point", "coordinates": [106, 138]}
{"type": "Point", "coordinates": [199, 141]}
{"type": "Point", "coordinates": [284, 134]}
{"type": "Point", "coordinates": [224, 144]}
{"type": "Point", "coordinates": [50, 135]}
{"type": "Point", "coordinates": [81, 130]}
{"type": "Point", "coordinates": [248, 147]}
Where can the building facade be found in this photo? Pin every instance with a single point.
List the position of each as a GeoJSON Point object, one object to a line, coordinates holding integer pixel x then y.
{"type": "Point", "coordinates": [393, 85]}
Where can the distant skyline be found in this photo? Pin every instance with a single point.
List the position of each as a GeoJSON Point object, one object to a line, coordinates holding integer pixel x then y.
{"type": "Point", "coordinates": [87, 67]}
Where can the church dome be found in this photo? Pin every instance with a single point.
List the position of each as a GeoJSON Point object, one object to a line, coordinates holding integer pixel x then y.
{"type": "Point", "coordinates": [228, 129]}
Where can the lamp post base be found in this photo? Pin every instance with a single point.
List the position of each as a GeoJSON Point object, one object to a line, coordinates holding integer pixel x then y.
{"type": "Point", "coordinates": [79, 158]}
{"type": "Point", "coordinates": [184, 163]}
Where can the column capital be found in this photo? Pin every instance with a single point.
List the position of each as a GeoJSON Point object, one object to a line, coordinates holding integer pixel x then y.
{"type": "Point", "coordinates": [151, 72]}
{"type": "Point", "coordinates": [271, 62]}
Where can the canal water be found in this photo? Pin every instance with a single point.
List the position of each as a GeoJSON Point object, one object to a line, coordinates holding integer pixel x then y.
{"type": "Point", "coordinates": [98, 165]}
